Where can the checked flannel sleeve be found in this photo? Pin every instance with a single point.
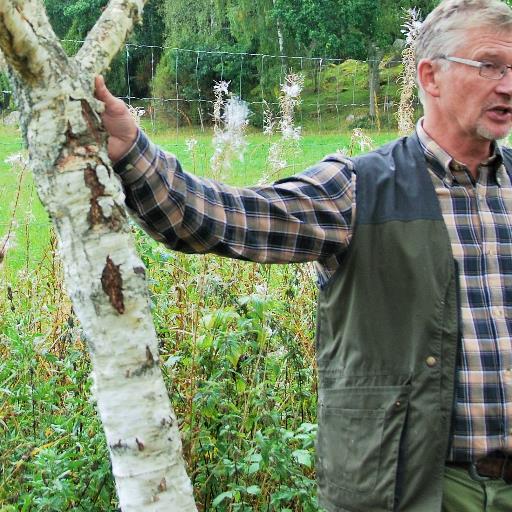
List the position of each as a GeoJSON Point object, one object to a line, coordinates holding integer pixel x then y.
{"type": "Point", "coordinates": [306, 217]}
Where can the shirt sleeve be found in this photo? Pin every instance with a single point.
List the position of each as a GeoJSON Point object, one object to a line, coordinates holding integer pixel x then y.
{"type": "Point", "coordinates": [303, 218]}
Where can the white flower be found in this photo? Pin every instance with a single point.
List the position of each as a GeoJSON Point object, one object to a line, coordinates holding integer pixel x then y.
{"type": "Point", "coordinates": [16, 159]}
{"type": "Point", "coordinates": [136, 112]}
{"type": "Point", "coordinates": [191, 144]}
{"type": "Point", "coordinates": [412, 26]}
{"type": "Point", "coordinates": [276, 158]}
{"type": "Point", "coordinates": [39, 345]}
{"type": "Point", "coordinates": [291, 132]}
{"type": "Point", "coordinates": [362, 140]}
{"type": "Point", "coordinates": [229, 138]}
{"type": "Point", "coordinates": [262, 289]}
{"type": "Point", "coordinates": [221, 87]}
{"type": "Point", "coordinates": [292, 90]}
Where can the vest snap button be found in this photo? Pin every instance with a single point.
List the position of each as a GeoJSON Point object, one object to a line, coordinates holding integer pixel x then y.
{"type": "Point", "coordinates": [431, 361]}
{"type": "Point", "coordinates": [398, 403]}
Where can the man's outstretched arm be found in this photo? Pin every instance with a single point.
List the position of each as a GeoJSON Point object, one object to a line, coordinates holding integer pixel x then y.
{"type": "Point", "coordinates": [303, 218]}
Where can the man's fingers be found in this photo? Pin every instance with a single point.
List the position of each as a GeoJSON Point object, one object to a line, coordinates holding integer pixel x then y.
{"type": "Point", "coordinates": [101, 91]}
{"type": "Point", "coordinates": [104, 95]}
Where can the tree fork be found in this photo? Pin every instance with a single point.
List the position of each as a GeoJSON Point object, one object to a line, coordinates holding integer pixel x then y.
{"type": "Point", "coordinates": [103, 274]}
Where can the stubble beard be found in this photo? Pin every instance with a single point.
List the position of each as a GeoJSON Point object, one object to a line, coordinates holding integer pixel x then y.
{"type": "Point", "coordinates": [492, 135]}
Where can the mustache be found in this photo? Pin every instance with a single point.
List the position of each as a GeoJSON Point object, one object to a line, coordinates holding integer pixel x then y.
{"type": "Point", "coordinates": [506, 106]}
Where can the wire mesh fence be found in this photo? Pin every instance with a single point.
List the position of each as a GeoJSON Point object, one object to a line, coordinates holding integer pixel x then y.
{"type": "Point", "coordinates": [174, 90]}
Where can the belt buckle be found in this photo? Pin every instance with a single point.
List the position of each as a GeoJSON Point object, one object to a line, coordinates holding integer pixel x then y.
{"type": "Point", "coordinates": [475, 475]}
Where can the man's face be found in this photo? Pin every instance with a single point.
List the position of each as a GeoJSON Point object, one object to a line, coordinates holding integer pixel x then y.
{"type": "Point", "coordinates": [477, 108]}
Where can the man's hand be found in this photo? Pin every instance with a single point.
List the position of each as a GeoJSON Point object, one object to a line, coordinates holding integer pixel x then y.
{"type": "Point", "coordinates": [118, 121]}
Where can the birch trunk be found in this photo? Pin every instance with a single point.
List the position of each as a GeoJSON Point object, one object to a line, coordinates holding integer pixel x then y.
{"type": "Point", "coordinates": [103, 274]}
{"type": "Point", "coordinates": [280, 36]}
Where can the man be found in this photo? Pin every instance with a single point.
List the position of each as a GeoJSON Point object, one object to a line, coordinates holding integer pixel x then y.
{"type": "Point", "coordinates": [414, 250]}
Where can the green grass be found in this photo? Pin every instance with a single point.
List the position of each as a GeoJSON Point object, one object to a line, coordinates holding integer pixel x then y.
{"type": "Point", "coordinates": [21, 209]}
{"type": "Point", "coordinates": [31, 223]}
{"type": "Point", "coordinates": [343, 89]}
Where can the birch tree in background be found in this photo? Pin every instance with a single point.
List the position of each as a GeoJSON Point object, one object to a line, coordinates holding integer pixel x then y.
{"type": "Point", "coordinates": [104, 277]}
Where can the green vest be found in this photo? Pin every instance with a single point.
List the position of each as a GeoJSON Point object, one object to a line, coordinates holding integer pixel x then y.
{"type": "Point", "coordinates": [387, 337]}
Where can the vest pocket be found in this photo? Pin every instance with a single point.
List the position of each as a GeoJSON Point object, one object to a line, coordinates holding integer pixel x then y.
{"type": "Point", "coordinates": [358, 444]}
{"type": "Point", "coordinates": [353, 438]}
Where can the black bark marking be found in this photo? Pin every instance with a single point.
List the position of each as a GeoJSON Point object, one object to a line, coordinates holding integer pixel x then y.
{"type": "Point", "coordinates": [80, 148]}
{"type": "Point", "coordinates": [162, 486]}
{"type": "Point", "coordinates": [119, 446]}
{"type": "Point", "coordinates": [140, 444]}
{"type": "Point", "coordinates": [21, 63]}
{"type": "Point", "coordinates": [166, 422]}
{"type": "Point", "coordinates": [139, 271]}
{"type": "Point", "coordinates": [95, 216]}
{"type": "Point", "coordinates": [147, 365]}
{"type": "Point", "coordinates": [93, 122]}
{"type": "Point", "coordinates": [112, 284]}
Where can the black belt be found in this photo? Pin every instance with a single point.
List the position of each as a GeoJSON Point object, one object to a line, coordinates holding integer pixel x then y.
{"type": "Point", "coordinates": [491, 467]}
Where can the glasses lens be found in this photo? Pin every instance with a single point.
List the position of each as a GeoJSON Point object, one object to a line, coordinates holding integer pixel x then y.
{"type": "Point", "coordinates": [492, 71]}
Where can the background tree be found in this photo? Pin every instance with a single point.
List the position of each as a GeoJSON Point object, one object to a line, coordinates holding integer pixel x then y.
{"type": "Point", "coordinates": [104, 276]}
{"type": "Point", "coordinates": [213, 27]}
{"type": "Point", "coordinates": [355, 29]}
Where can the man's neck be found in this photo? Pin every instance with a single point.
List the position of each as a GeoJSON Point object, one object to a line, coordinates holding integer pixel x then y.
{"type": "Point", "coordinates": [469, 153]}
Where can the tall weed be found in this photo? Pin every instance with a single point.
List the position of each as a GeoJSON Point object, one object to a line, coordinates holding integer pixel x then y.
{"type": "Point", "coordinates": [237, 355]}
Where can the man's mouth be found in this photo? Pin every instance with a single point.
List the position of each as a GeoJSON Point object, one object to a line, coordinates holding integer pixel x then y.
{"type": "Point", "coordinates": [501, 112]}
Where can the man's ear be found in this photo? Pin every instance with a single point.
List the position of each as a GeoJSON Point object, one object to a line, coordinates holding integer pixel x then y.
{"type": "Point", "coordinates": [428, 77]}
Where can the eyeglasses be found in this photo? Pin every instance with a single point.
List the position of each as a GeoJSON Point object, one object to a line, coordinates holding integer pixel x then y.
{"type": "Point", "coordinates": [489, 70]}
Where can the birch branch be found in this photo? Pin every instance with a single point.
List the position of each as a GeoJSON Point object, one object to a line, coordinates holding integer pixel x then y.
{"type": "Point", "coordinates": [107, 35]}
{"type": "Point", "coordinates": [103, 273]}
{"type": "Point", "coordinates": [22, 23]}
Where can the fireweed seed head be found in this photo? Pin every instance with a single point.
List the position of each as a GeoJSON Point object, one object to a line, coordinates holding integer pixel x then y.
{"type": "Point", "coordinates": [412, 25]}
{"type": "Point", "coordinates": [231, 119]}
{"type": "Point", "coordinates": [136, 113]}
{"type": "Point", "coordinates": [221, 87]}
{"type": "Point", "coordinates": [236, 114]}
{"type": "Point", "coordinates": [191, 144]}
{"type": "Point", "coordinates": [16, 160]}
{"type": "Point", "coordinates": [405, 114]}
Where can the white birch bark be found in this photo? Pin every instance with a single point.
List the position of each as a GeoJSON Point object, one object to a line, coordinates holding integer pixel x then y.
{"type": "Point", "coordinates": [103, 274]}
{"type": "Point", "coordinates": [280, 37]}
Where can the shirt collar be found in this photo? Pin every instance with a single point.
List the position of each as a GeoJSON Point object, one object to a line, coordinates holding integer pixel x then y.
{"type": "Point", "coordinates": [443, 163]}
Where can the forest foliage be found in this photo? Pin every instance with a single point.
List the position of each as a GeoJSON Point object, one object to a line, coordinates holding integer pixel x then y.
{"type": "Point", "coordinates": [355, 29]}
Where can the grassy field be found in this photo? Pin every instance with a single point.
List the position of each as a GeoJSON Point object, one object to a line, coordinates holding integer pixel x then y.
{"type": "Point", "coordinates": [22, 211]}
{"type": "Point", "coordinates": [236, 345]}
{"type": "Point", "coordinates": [20, 208]}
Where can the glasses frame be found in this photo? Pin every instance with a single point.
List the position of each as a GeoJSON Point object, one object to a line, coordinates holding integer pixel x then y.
{"type": "Point", "coordinates": [502, 68]}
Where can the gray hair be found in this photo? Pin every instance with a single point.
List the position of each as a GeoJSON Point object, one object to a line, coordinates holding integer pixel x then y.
{"type": "Point", "coordinates": [446, 28]}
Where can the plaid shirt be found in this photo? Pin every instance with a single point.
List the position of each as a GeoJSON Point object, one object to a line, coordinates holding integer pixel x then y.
{"type": "Point", "coordinates": [308, 217]}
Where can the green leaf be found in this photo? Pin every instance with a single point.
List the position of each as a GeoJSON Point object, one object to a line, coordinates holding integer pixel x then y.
{"type": "Point", "coordinates": [253, 468]}
{"type": "Point", "coordinates": [254, 490]}
{"type": "Point", "coordinates": [221, 497]}
{"type": "Point", "coordinates": [303, 457]}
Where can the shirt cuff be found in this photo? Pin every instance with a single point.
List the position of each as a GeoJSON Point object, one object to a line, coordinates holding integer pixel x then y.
{"type": "Point", "coordinates": [134, 164]}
